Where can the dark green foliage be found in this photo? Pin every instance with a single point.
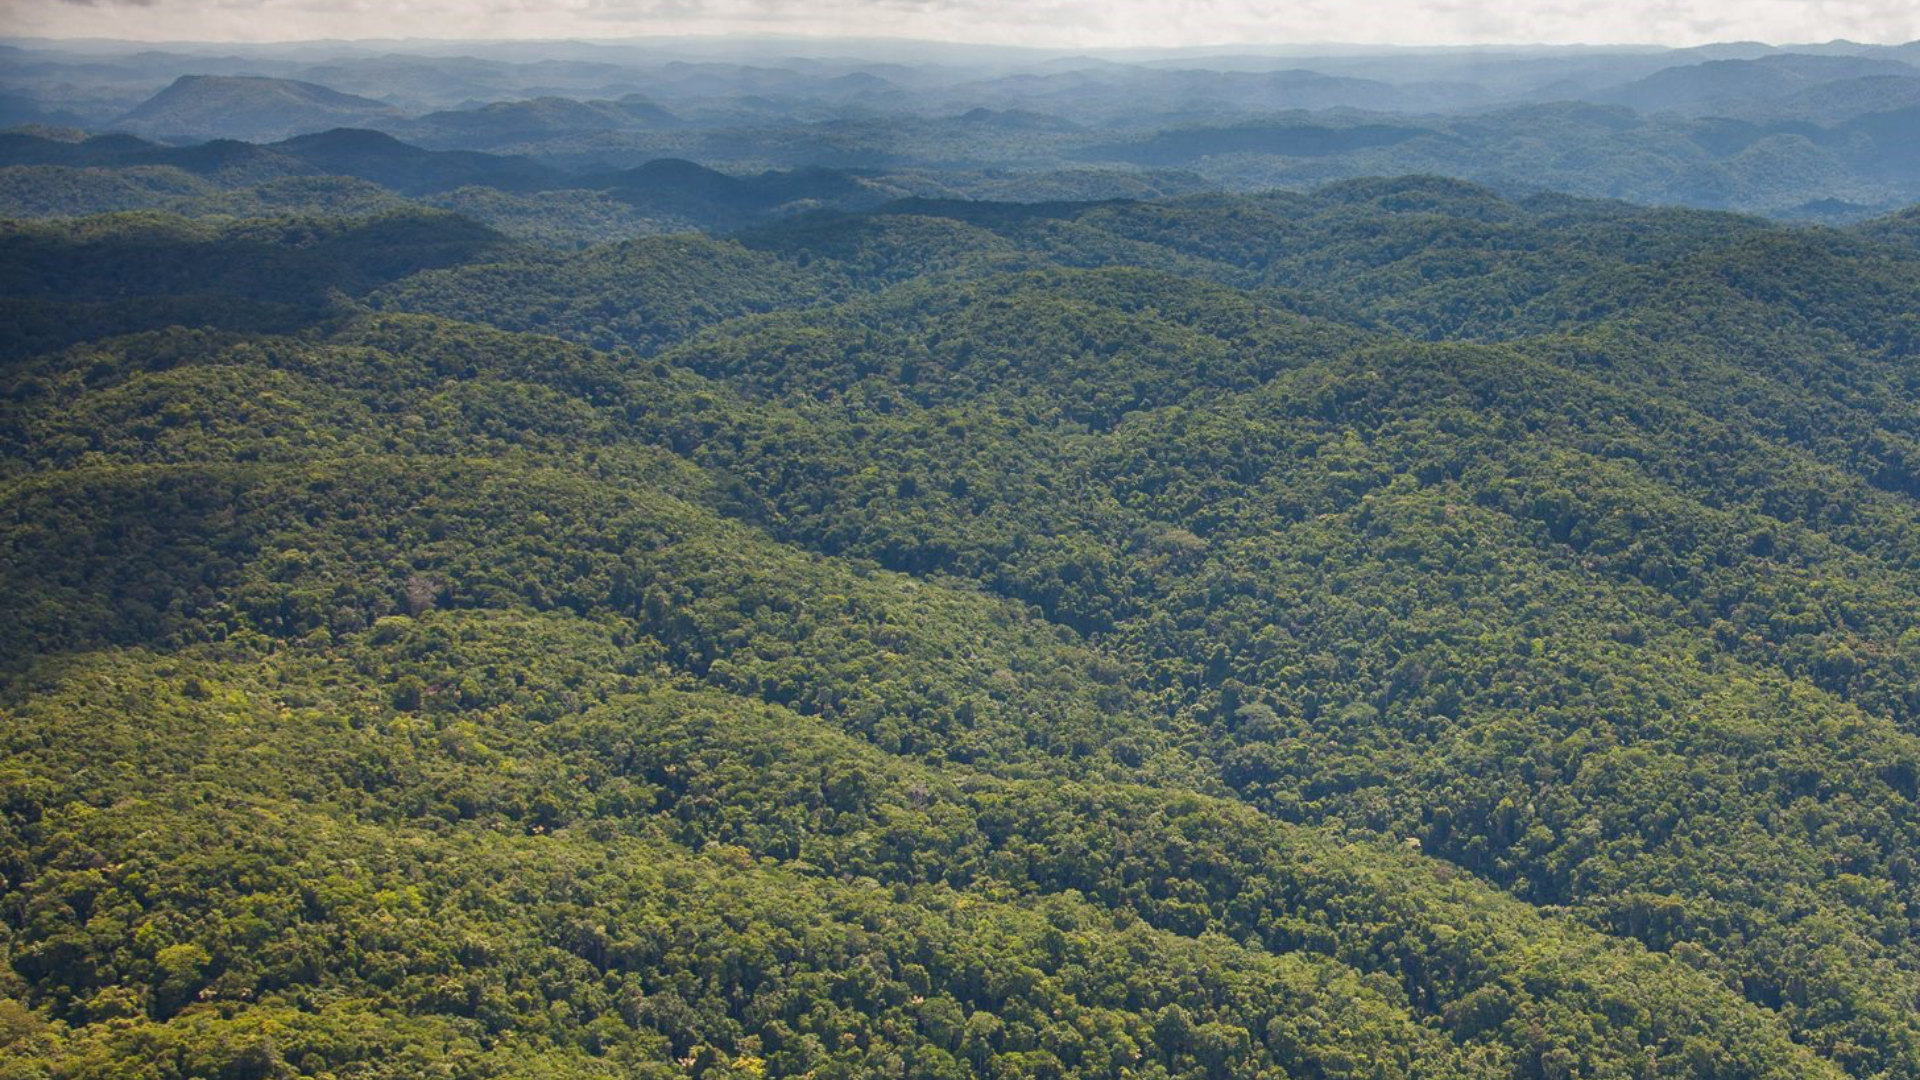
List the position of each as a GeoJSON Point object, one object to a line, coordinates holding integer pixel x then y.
{"type": "Point", "coordinates": [1389, 632]}
{"type": "Point", "coordinates": [34, 191]}
{"type": "Point", "coordinates": [638, 294]}
{"type": "Point", "coordinates": [66, 282]}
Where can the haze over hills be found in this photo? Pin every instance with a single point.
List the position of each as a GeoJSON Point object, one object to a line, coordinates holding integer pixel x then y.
{"type": "Point", "coordinates": [755, 559]}
{"type": "Point", "coordinates": [246, 107]}
{"type": "Point", "coordinates": [1816, 131]}
{"type": "Point", "coordinates": [50, 175]}
{"type": "Point", "coordinates": [1714, 86]}
{"type": "Point", "coordinates": [508, 122]}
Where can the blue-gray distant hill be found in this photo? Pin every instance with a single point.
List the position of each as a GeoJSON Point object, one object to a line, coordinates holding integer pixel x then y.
{"type": "Point", "coordinates": [504, 123]}
{"type": "Point", "coordinates": [1718, 86]}
{"type": "Point", "coordinates": [197, 107]}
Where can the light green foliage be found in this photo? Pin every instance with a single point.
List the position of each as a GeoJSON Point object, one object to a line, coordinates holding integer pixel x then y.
{"type": "Point", "coordinates": [1391, 632]}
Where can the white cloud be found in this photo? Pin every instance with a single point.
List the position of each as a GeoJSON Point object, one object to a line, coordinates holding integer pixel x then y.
{"type": "Point", "coordinates": [1066, 23]}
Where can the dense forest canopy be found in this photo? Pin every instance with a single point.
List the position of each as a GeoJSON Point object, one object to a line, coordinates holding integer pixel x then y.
{"type": "Point", "coordinates": [499, 584]}
{"type": "Point", "coordinates": [1389, 631]}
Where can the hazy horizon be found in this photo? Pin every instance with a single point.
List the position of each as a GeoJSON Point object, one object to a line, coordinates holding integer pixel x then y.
{"type": "Point", "coordinates": [830, 45]}
{"type": "Point", "coordinates": [1047, 24]}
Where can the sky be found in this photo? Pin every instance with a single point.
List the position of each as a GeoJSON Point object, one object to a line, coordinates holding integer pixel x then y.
{"type": "Point", "coordinates": [1052, 23]}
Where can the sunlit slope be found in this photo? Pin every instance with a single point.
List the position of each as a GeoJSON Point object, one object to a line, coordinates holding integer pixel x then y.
{"type": "Point", "coordinates": [1098, 639]}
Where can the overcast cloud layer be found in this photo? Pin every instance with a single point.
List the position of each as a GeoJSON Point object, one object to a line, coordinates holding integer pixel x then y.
{"type": "Point", "coordinates": [1014, 22]}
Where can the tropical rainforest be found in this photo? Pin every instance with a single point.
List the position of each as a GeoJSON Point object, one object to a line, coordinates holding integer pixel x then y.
{"type": "Point", "coordinates": [1398, 629]}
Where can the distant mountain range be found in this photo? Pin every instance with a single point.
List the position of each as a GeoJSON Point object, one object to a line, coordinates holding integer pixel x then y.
{"type": "Point", "coordinates": [369, 155]}
{"type": "Point", "coordinates": [247, 107]}
{"type": "Point", "coordinates": [420, 91]}
{"type": "Point", "coordinates": [352, 170]}
{"type": "Point", "coordinates": [1717, 86]}
{"type": "Point", "coordinates": [1822, 131]}
{"type": "Point", "coordinates": [504, 122]}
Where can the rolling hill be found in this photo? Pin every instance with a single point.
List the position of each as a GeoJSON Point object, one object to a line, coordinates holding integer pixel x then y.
{"type": "Point", "coordinates": [503, 123]}
{"type": "Point", "coordinates": [197, 107]}
{"type": "Point", "coordinates": [1718, 85]}
{"type": "Point", "coordinates": [1393, 630]}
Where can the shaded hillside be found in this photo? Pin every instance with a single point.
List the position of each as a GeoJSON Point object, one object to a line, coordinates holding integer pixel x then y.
{"type": "Point", "coordinates": [1182, 147]}
{"type": "Point", "coordinates": [511, 122]}
{"type": "Point", "coordinates": [1717, 85]}
{"type": "Point", "coordinates": [1902, 228]}
{"type": "Point", "coordinates": [198, 107]}
{"type": "Point", "coordinates": [224, 162]}
{"type": "Point", "coordinates": [330, 173]}
{"type": "Point", "coordinates": [1391, 631]}
{"type": "Point", "coordinates": [371, 155]}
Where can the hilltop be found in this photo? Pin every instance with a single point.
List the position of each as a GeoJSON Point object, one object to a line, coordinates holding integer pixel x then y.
{"type": "Point", "coordinates": [1392, 630]}
{"type": "Point", "coordinates": [196, 107]}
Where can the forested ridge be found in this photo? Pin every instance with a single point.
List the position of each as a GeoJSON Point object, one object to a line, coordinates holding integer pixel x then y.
{"type": "Point", "coordinates": [1388, 631]}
